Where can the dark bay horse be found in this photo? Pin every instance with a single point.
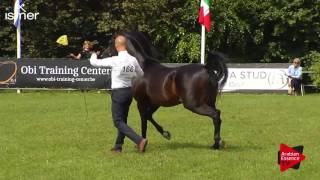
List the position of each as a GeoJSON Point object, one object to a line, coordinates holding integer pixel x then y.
{"type": "Point", "coordinates": [196, 86]}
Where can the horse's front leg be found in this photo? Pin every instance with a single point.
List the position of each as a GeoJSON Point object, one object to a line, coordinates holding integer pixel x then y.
{"type": "Point", "coordinates": [144, 127]}
{"type": "Point", "coordinates": [151, 110]}
{"type": "Point", "coordinates": [165, 134]}
{"type": "Point", "coordinates": [146, 112]}
{"type": "Point", "coordinates": [143, 115]}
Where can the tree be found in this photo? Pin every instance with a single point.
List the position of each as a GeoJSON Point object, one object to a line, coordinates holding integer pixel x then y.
{"type": "Point", "coordinates": [245, 30]}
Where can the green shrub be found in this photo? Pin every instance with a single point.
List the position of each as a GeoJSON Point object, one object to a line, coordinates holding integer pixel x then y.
{"type": "Point", "coordinates": [316, 77]}
{"type": "Point", "coordinates": [311, 62]}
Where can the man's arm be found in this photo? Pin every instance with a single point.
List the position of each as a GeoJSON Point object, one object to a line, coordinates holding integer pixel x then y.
{"type": "Point", "coordinates": [94, 61]}
{"type": "Point", "coordinates": [289, 71]}
{"type": "Point", "coordinates": [76, 57]}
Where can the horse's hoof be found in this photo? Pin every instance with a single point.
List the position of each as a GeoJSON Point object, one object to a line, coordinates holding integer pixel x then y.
{"type": "Point", "coordinates": [220, 145]}
{"type": "Point", "coordinates": [166, 134]}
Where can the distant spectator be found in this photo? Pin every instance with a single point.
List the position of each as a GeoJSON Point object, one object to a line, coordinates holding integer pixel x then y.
{"type": "Point", "coordinates": [85, 53]}
{"type": "Point", "coordinates": [294, 77]}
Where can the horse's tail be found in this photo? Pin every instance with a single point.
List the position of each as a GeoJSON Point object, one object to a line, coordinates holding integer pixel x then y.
{"type": "Point", "coordinates": [217, 68]}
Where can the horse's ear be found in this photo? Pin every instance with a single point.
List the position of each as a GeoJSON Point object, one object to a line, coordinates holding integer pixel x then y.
{"type": "Point", "coordinates": [110, 50]}
{"type": "Point", "coordinates": [146, 43]}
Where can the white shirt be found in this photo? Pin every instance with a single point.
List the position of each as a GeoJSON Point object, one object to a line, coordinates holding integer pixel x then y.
{"type": "Point", "coordinates": [295, 72]}
{"type": "Point", "coordinates": [124, 68]}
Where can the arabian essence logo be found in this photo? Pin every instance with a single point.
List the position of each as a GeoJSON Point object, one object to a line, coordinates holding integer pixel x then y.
{"type": "Point", "coordinates": [290, 157]}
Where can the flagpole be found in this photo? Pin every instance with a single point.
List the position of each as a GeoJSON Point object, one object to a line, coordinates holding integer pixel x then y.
{"type": "Point", "coordinates": [17, 23]}
{"type": "Point", "coordinates": [203, 43]}
{"type": "Point", "coordinates": [18, 49]}
{"type": "Point", "coordinates": [18, 43]}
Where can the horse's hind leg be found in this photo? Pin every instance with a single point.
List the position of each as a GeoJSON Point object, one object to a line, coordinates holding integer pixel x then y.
{"type": "Point", "coordinates": [217, 124]}
{"type": "Point", "coordinates": [215, 115]}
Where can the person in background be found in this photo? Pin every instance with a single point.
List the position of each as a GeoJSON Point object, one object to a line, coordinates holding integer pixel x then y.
{"type": "Point", "coordinates": [85, 53]}
{"type": "Point", "coordinates": [124, 69]}
{"type": "Point", "coordinates": [294, 77]}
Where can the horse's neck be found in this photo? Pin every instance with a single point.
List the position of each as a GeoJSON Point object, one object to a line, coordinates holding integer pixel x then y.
{"type": "Point", "coordinates": [151, 63]}
{"type": "Point", "coordinates": [151, 66]}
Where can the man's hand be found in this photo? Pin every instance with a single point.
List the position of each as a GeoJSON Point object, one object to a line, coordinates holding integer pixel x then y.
{"type": "Point", "coordinates": [74, 56]}
{"type": "Point", "coordinates": [289, 76]}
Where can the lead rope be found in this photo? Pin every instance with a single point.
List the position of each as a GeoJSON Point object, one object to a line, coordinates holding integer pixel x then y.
{"type": "Point", "coordinates": [85, 103]}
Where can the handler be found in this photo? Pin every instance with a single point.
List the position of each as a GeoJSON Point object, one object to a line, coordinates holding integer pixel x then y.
{"type": "Point", "coordinates": [124, 69]}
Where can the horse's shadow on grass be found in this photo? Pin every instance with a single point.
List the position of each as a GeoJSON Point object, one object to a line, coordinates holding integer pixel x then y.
{"type": "Point", "coordinates": [185, 145]}
{"type": "Point", "coordinates": [199, 146]}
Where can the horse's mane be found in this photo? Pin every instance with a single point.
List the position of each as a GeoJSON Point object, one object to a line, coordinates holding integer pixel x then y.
{"type": "Point", "coordinates": [140, 46]}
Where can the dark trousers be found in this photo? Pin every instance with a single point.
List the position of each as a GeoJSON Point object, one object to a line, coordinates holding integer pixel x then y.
{"type": "Point", "coordinates": [121, 100]}
{"type": "Point", "coordinates": [296, 83]}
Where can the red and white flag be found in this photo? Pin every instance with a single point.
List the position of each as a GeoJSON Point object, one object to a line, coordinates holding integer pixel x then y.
{"type": "Point", "coordinates": [204, 14]}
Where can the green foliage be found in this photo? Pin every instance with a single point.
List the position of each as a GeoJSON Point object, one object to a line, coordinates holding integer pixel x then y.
{"type": "Point", "coordinates": [252, 30]}
{"type": "Point", "coordinates": [73, 18]}
{"type": "Point", "coordinates": [188, 48]}
{"type": "Point", "coordinates": [316, 76]}
{"type": "Point", "coordinates": [311, 62]}
{"type": "Point", "coordinates": [291, 28]}
{"type": "Point", "coordinates": [313, 57]}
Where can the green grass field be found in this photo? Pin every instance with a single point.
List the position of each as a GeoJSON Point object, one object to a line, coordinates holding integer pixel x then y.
{"type": "Point", "coordinates": [46, 135]}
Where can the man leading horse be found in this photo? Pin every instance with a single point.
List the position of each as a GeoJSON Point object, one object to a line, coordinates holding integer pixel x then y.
{"type": "Point", "coordinates": [124, 69]}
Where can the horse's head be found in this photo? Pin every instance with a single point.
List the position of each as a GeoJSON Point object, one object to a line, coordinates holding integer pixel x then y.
{"type": "Point", "coordinates": [110, 50]}
{"type": "Point", "coordinates": [138, 45]}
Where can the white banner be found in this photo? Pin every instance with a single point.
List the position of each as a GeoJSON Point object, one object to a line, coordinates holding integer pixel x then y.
{"type": "Point", "coordinates": [256, 79]}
